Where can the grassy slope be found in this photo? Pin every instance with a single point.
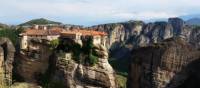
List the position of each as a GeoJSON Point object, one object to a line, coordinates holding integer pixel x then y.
{"type": "Point", "coordinates": [40, 21]}
{"type": "Point", "coordinates": [121, 68]}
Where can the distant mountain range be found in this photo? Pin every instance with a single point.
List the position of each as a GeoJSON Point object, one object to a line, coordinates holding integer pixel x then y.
{"type": "Point", "coordinates": [187, 17]}
{"type": "Point", "coordinates": [193, 21]}
{"type": "Point", "coordinates": [43, 21]}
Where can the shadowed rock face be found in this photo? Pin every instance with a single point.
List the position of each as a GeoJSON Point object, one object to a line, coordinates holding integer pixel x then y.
{"type": "Point", "coordinates": [189, 77]}
{"type": "Point", "coordinates": [32, 63]}
{"type": "Point", "coordinates": [7, 51]}
{"type": "Point", "coordinates": [195, 37]}
{"type": "Point", "coordinates": [164, 65]}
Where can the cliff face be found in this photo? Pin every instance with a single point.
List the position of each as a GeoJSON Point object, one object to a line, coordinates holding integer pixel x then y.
{"type": "Point", "coordinates": [119, 33]}
{"type": "Point", "coordinates": [78, 75]}
{"type": "Point", "coordinates": [7, 51]}
{"type": "Point", "coordinates": [123, 37]}
{"type": "Point", "coordinates": [31, 63]}
{"type": "Point", "coordinates": [42, 66]}
{"type": "Point", "coordinates": [139, 34]}
{"type": "Point", "coordinates": [164, 65]}
{"type": "Point", "coordinates": [195, 37]}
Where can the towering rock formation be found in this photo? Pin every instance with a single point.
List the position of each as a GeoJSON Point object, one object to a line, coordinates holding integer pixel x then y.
{"type": "Point", "coordinates": [177, 24]}
{"type": "Point", "coordinates": [39, 64]}
{"type": "Point", "coordinates": [7, 51]}
{"type": "Point", "coordinates": [120, 33]}
{"type": "Point", "coordinates": [164, 65]}
{"type": "Point", "coordinates": [194, 37]}
{"type": "Point", "coordinates": [135, 34]}
{"type": "Point", "coordinates": [78, 75]}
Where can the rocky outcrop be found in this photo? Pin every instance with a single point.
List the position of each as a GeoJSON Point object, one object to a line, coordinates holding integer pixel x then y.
{"type": "Point", "coordinates": [139, 34]}
{"type": "Point", "coordinates": [78, 75]}
{"type": "Point", "coordinates": [163, 65]}
{"type": "Point", "coordinates": [7, 52]}
{"type": "Point", "coordinates": [177, 25]}
{"type": "Point", "coordinates": [40, 65]}
{"type": "Point", "coordinates": [119, 33]}
{"type": "Point", "coordinates": [194, 38]}
{"type": "Point", "coordinates": [32, 63]}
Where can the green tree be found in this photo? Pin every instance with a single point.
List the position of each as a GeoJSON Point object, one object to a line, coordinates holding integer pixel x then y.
{"type": "Point", "coordinates": [88, 50]}
{"type": "Point", "coordinates": [92, 59]}
{"type": "Point", "coordinates": [12, 34]}
{"type": "Point", "coordinates": [54, 43]}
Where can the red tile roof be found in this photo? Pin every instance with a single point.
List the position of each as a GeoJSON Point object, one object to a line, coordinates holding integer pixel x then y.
{"type": "Point", "coordinates": [56, 31]}
{"type": "Point", "coordinates": [66, 33]}
{"type": "Point", "coordinates": [85, 32]}
{"type": "Point", "coordinates": [42, 32]}
{"type": "Point", "coordinates": [60, 31]}
{"type": "Point", "coordinates": [34, 32]}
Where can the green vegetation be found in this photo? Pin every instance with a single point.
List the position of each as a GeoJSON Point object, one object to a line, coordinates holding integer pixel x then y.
{"type": "Point", "coordinates": [12, 34]}
{"type": "Point", "coordinates": [54, 43]}
{"type": "Point", "coordinates": [121, 80]}
{"type": "Point", "coordinates": [121, 68]}
{"type": "Point", "coordinates": [120, 65]}
{"type": "Point", "coordinates": [40, 21]}
{"type": "Point", "coordinates": [87, 49]}
{"type": "Point", "coordinates": [76, 52]}
{"type": "Point", "coordinates": [92, 59]}
{"type": "Point", "coordinates": [196, 26]}
{"type": "Point", "coordinates": [46, 82]}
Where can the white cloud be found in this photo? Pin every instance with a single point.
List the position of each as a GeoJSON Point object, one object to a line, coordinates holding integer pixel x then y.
{"type": "Point", "coordinates": [145, 15]}
{"type": "Point", "coordinates": [88, 11]}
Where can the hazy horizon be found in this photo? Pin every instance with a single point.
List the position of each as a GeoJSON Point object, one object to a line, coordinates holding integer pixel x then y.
{"type": "Point", "coordinates": [91, 12]}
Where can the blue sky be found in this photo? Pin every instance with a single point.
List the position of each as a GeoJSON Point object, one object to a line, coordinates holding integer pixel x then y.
{"type": "Point", "coordinates": [90, 12]}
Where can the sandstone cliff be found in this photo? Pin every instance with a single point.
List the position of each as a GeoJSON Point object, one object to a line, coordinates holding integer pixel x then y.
{"type": "Point", "coordinates": [51, 68]}
{"type": "Point", "coordinates": [79, 75]}
{"type": "Point", "coordinates": [119, 33]}
{"type": "Point", "coordinates": [7, 51]}
{"type": "Point", "coordinates": [164, 65]}
{"type": "Point", "coordinates": [31, 63]}
{"type": "Point", "coordinates": [139, 34]}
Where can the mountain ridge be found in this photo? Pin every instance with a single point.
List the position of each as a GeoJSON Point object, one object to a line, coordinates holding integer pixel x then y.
{"type": "Point", "coordinates": [193, 21]}
{"type": "Point", "coordinates": [39, 21]}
